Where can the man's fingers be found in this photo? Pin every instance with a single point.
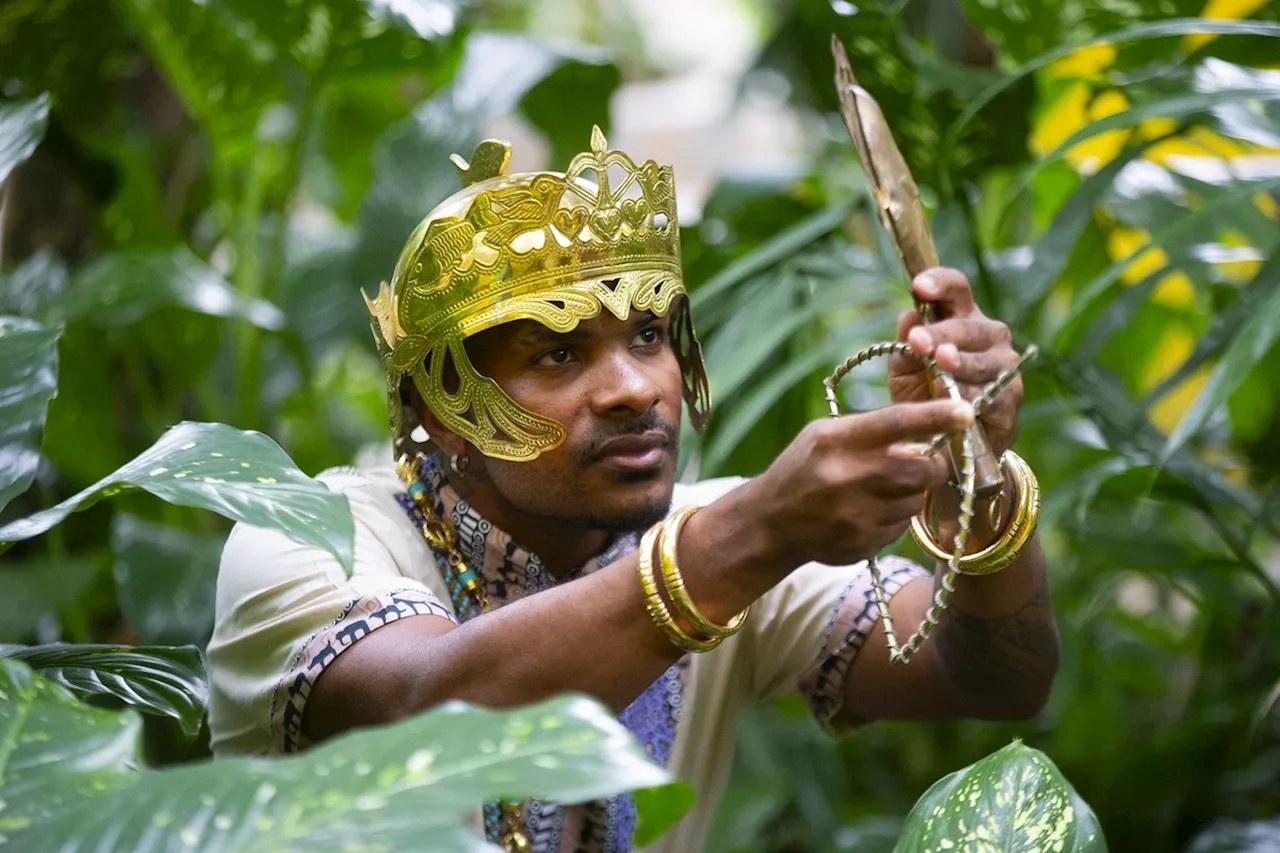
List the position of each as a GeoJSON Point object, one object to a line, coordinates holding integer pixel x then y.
{"type": "Point", "coordinates": [903, 422]}
{"type": "Point", "coordinates": [948, 289]}
{"type": "Point", "coordinates": [967, 334]}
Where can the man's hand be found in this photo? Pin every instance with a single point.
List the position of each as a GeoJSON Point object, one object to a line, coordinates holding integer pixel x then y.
{"type": "Point", "coordinates": [846, 487]}
{"type": "Point", "coordinates": [973, 348]}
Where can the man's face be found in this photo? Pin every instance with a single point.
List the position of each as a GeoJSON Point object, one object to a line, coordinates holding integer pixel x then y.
{"type": "Point", "coordinates": [614, 385]}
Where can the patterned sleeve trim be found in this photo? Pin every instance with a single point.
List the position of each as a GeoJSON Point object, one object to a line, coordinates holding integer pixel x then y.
{"type": "Point", "coordinates": [852, 620]}
{"type": "Point", "coordinates": [361, 617]}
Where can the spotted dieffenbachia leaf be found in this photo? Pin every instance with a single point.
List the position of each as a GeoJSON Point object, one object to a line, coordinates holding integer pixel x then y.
{"type": "Point", "coordinates": [389, 788]}
{"type": "Point", "coordinates": [1013, 801]}
{"type": "Point", "coordinates": [55, 750]}
{"type": "Point", "coordinates": [244, 476]}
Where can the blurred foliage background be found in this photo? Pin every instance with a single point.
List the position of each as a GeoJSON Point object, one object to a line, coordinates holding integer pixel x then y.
{"type": "Point", "coordinates": [213, 182]}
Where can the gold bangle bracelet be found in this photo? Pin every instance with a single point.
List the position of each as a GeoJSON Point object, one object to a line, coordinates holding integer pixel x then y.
{"type": "Point", "coordinates": [657, 607]}
{"type": "Point", "coordinates": [1002, 553]}
{"type": "Point", "coordinates": [675, 581]}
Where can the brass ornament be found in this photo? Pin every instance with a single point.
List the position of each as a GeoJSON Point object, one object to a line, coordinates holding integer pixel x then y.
{"type": "Point", "coordinates": [549, 247]}
{"type": "Point", "coordinates": [977, 470]}
{"type": "Point", "coordinates": [897, 201]}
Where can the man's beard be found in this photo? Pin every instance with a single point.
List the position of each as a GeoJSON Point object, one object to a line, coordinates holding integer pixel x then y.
{"type": "Point", "coordinates": [653, 510]}
{"type": "Point", "coordinates": [640, 519]}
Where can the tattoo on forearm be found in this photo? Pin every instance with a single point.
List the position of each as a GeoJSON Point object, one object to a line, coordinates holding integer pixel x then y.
{"type": "Point", "coordinates": [1012, 654]}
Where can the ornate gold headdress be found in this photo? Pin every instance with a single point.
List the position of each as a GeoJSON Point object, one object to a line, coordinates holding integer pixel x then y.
{"type": "Point", "coordinates": [544, 246]}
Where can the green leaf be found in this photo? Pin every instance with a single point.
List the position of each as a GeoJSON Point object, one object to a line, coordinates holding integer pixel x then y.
{"type": "Point", "coordinates": [121, 288]}
{"type": "Point", "coordinates": [54, 749]}
{"type": "Point", "coordinates": [22, 126]}
{"type": "Point", "coordinates": [37, 588]}
{"type": "Point", "coordinates": [555, 105]}
{"type": "Point", "coordinates": [244, 476]}
{"type": "Point", "coordinates": [659, 809]}
{"type": "Point", "coordinates": [225, 73]}
{"type": "Point", "coordinates": [165, 580]}
{"type": "Point", "coordinates": [1013, 801]}
{"type": "Point", "coordinates": [167, 681]}
{"type": "Point", "coordinates": [380, 789]}
{"type": "Point", "coordinates": [28, 381]}
{"type": "Point", "coordinates": [1246, 350]}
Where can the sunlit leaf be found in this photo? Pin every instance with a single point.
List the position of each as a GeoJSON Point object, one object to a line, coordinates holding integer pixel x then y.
{"type": "Point", "coordinates": [244, 476]}
{"type": "Point", "coordinates": [382, 789]}
{"type": "Point", "coordinates": [28, 381]}
{"type": "Point", "coordinates": [120, 288]}
{"type": "Point", "coordinates": [22, 126]}
{"type": "Point", "coordinates": [165, 579]}
{"type": "Point", "coordinates": [165, 680]}
{"type": "Point", "coordinates": [1013, 801]}
{"type": "Point", "coordinates": [1141, 32]}
{"type": "Point", "coordinates": [57, 749]}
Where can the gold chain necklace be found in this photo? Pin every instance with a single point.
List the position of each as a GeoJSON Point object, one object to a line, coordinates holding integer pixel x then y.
{"type": "Point", "coordinates": [463, 581]}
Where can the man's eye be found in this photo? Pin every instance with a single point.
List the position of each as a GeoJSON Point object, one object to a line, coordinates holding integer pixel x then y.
{"type": "Point", "coordinates": [560, 355]}
{"type": "Point", "coordinates": [649, 336]}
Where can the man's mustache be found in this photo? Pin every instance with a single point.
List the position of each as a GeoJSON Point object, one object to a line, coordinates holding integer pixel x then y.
{"type": "Point", "coordinates": [651, 421]}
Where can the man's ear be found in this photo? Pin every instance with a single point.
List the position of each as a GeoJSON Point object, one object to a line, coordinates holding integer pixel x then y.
{"type": "Point", "coordinates": [441, 436]}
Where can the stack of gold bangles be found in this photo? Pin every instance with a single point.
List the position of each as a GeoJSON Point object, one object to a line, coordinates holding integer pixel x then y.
{"type": "Point", "coordinates": [1017, 532]}
{"type": "Point", "coordinates": [662, 538]}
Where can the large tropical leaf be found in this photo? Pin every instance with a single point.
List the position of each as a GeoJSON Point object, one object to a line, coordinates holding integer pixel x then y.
{"type": "Point", "coordinates": [386, 788]}
{"type": "Point", "coordinates": [165, 579]}
{"type": "Point", "coordinates": [55, 750]}
{"type": "Point", "coordinates": [1013, 801]}
{"type": "Point", "coordinates": [121, 288]}
{"type": "Point", "coordinates": [22, 126]}
{"type": "Point", "coordinates": [244, 476]}
{"type": "Point", "coordinates": [37, 588]}
{"type": "Point", "coordinates": [167, 681]}
{"type": "Point", "coordinates": [28, 381]}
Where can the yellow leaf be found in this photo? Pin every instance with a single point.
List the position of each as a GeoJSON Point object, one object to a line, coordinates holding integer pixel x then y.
{"type": "Point", "coordinates": [1238, 271]}
{"type": "Point", "coordinates": [1067, 115]}
{"type": "Point", "coordinates": [1169, 409]}
{"type": "Point", "coordinates": [1221, 10]}
{"type": "Point", "coordinates": [1168, 355]}
{"type": "Point", "coordinates": [1085, 61]}
{"type": "Point", "coordinates": [1123, 242]}
{"type": "Point", "coordinates": [1092, 154]}
{"type": "Point", "coordinates": [1175, 291]}
{"type": "Point", "coordinates": [1267, 205]}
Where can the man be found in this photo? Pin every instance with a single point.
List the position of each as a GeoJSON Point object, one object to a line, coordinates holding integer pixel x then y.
{"type": "Point", "coordinates": [537, 329]}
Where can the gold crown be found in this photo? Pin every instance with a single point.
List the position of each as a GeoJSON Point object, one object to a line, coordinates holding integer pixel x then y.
{"type": "Point", "coordinates": [549, 247]}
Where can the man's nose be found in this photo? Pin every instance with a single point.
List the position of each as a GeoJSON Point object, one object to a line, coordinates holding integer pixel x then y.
{"type": "Point", "coordinates": [623, 387]}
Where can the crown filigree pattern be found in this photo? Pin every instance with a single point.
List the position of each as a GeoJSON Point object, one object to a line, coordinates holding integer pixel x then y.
{"type": "Point", "coordinates": [553, 248]}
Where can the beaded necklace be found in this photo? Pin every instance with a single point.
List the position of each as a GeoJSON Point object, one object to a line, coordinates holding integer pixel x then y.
{"type": "Point", "coordinates": [503, 821]}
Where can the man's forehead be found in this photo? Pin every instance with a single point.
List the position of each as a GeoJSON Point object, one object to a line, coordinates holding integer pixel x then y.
{"type": "Point", "coordinates": [531, 330]}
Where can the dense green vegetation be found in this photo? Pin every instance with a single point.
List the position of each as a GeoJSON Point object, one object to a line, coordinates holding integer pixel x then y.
{"type": "Point", "coordinates": [195, 193]}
